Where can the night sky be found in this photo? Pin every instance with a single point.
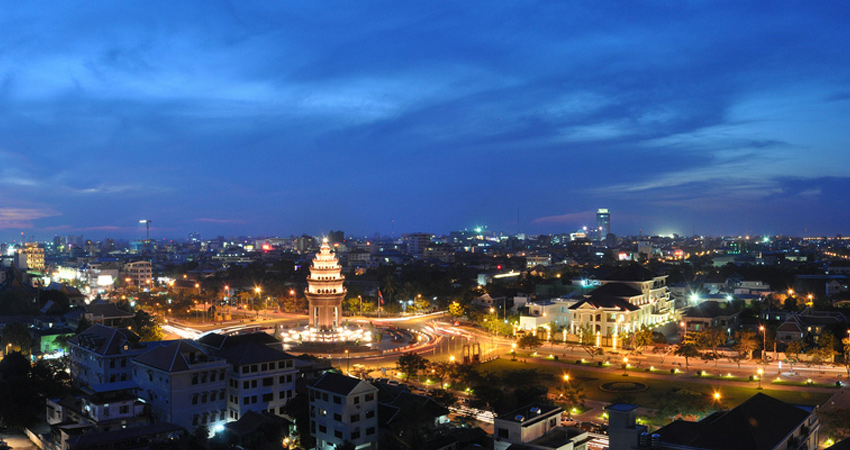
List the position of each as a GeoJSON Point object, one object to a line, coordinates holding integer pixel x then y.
{"type": "Point", "coordinates": [286, 117]}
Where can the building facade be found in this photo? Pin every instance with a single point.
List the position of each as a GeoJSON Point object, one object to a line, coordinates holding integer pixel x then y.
{"type": "Point", "coordinates": [103, 354]}
{"type": "Point", "coordinates": [184, 384]}
{"type": "Point", "coordinates": [343, 409]}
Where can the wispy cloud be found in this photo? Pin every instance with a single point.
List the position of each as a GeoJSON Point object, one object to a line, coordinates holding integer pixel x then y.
{"type": "Point", "coordinates": [22, 217]}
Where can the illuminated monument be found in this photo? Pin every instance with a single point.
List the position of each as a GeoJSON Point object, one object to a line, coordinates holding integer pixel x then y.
{"type": "Point", "coordinates": [325, 330]}
{"type": "Point", "coordinates": [325, 291]}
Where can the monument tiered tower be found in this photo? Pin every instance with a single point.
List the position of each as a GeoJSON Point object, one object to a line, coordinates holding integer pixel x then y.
{"type": "Point", "coordinates": [325, 291]}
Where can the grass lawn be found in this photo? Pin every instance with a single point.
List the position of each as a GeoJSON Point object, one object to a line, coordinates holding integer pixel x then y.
{"type": "Point", "coordinates": [590, 380]}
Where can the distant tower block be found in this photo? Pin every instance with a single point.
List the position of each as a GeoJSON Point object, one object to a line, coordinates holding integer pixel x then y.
{"type": "Point", "coordinates": [325, 291]}
{"type": "Point", "coordinates": [603, 223]}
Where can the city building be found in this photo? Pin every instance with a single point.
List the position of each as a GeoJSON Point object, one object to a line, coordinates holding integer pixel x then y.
{"type": "Point", "coordinates": [259, 379]}
{"type": "Point", "coordinates": [343, 409]}
{"type": "Point", "coordinates": [536, 426]}
{"type": "Point", "coordinates": [34, 256]}
{"type": "Point", "coordinates": [416, 243]}
{"type": "Point", "coordinates": [103, 354]}
{"type": "Point", "coordinates": [138, 273]}
{"type": "Point", "coordinates": [760, 423]}
{"type": "Point", "coordinates": [710, 314]}
{"type": "Point", "coordinates": [603, 223]}
{"type": "Point", "coordinates": [184, 384]}
{"type": "Point", "coordinates": [325, 290]}
{"type": "Point", "coordinates": [627, 299]}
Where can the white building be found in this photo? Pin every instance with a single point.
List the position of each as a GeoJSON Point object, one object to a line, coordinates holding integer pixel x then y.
{"type": "Point", "coordinates": [103, 354]}
{"type": "Point", "coordinates": [259, 379]}
{"type": "Point", "coordinates": [184, 384]}
{"type": "Point", "coordinates": [627, 300]}
{"type": "Point", "coordinates": [536, 426]}
{"type": "Point", "coordinates": [343, 409]}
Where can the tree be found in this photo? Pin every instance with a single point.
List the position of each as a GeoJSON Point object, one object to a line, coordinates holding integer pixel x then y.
{"type": "Point", "coordinates": [390, 287]}
{"type": "Point", "coordinates": [456, 310]}
{"type": "Point", "coordinates": [642, 338]}
{"type": "Point", "coordinates": [687, 350]}
{"type": "Point", "coordinates": [573, 394]}
{"type": "Point", "coordinates": [444, 397]}
{"type": "Point", "coordinates": [795, 349]}
{"type": "Point", "coordinates": [826, 347]}
{"type": "Point", "coordinates": [587, 341]}
{"type": "Point", "coordinates": [835, 423]}
{"type": "Point", "coordinates": [18, 335]}
{"type": "Point", "coordinates": [529, 341]}
{"type": "Point", "coordinates": [709, 339]}
{"type": "Point", "coordinates": [846, 354]}
{"type": "Point", "coordinates": [746, 342]}
{"type": "Point", "coordinates": [683, 402]}
{"type": "Point", "coordinates": [411, 363]}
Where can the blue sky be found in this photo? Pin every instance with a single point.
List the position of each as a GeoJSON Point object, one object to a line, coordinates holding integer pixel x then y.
{"type": "Point", "coordinates": [278, 118]}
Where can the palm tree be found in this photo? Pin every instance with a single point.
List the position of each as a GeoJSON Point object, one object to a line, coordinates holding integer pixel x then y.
{"type": "Point", "coordinates": [390, 287]}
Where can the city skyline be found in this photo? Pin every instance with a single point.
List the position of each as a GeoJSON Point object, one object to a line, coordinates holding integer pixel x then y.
{"type": "Point", "coordinates": [281, 119]}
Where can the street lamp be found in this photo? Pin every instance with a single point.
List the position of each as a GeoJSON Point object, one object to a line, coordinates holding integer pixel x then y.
{"type": "Point", "coordinates": [347, 363]}
{"type": "Point", "coordinates": [257, 290]}
{"type": "Point", "coordinates": [625, 365]}
{"type": "Point", "coordinates": [764, 343]}
{"type": "Point", "coordinates": [760, 372]}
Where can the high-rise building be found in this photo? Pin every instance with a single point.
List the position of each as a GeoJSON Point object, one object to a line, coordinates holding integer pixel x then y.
{"type": "Point", "coordinates": [325, 290]}
{"type": "Point", "coordinates": [603, 223]}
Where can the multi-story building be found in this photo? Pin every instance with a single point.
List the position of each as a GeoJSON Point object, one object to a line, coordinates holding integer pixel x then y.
{"type": "Point", "coordinates": [416, 242]}
{"type": "Point", "coordinates": [761, 422]}
{"type": "Point", "coordinates": [530, 423]}
{"type": "Point", "coordinates": [102, 354]}
{"type": "Point", "coordinates": [184, 384]}
{"type": "Point", "coordinates": [343, 409]}
{"type": "Point", "coordinates": [35, 256]}
{"type": "Point", "coordinates": [138, 273]}
{"type": "Point", "coordinates": [259, 379]}
{"type": "Point", "coordinates": [627, 300]}
{"type": "Point", "coordinates": [603, 223]}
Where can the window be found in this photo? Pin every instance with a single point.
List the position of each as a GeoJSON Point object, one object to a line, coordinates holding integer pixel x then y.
{"type": "Point", "coordinates": [281, 394]}
{"type": "Point", "coordinates": [325, 396]}
{"type": "Point", "coordinates": [370, 397]}
{"type": "Point", "coordinates": [195, 379]}
{"type": "Point", "coordinates": [244, 369]}
{"type": "Point", "coordinates": [253, 383]}
{"type": "Point", "coordinates": [268, 381]}
{"type": "Point", "coordinates": [124, 409]}
{"type": "Point", "coordinates": [355, 434]}
{"type": "Point", "coordinates": [503, 433]}
{"type": "Point", "coordinates": [253, 399]}
{"type": "Point", "coordinates": [355, 418]}
{"type": "Point", "coordinates": [253, 368]}
{"type": "Point", "coordinates": [212, 377]}
{"type": "Point", "coordinates": [245, 400]}
{"type": "Point", "coordinates": [357, 400]}
{"type": "Point", "coordinates": [281, 364]}
{"type": "Point", "coordinates": [337, 399]}
{"type": "Point", "coordinates": [370, 414]}
{"type": "Point", "coordinates": [268, 397]}
{"type": "Point", "coordinates": [338, 417]}
{"type": "Point", "coordinates": [195, 399]}
{"type": "Point", "coordinates": [323, 429]}
{"type": "Point", "coordinates": [264, 367]}
{"type": "Point", "coordinates": [195, 419]}
{"type": "Point", "coordinates": [338, 434]}
{"type": "Point", "coordinates": [370, 431]}
{"type": "Point", "coordinates": [246, 385]}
